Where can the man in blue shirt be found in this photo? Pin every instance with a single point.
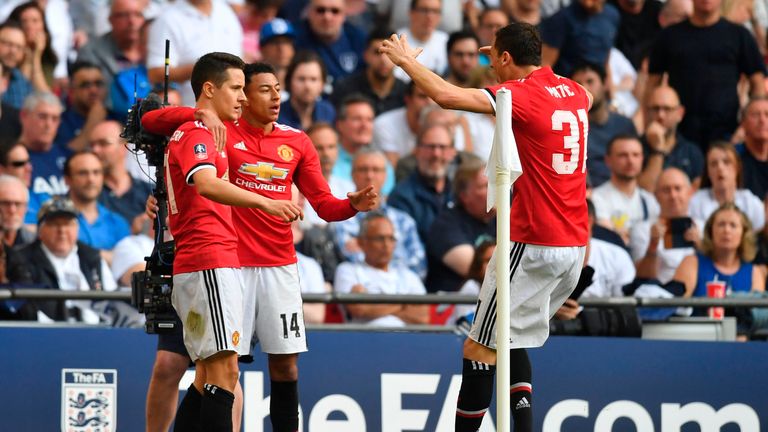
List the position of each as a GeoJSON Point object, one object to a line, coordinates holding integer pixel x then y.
{"type": "Point", "coordinates": [339, 43]}
{"type": "Point", "coordinates": [12, 49]}
{"type": "Point", "coordinates": [582, 32]}
{"type": "Point", "coordinates": [99, 227]}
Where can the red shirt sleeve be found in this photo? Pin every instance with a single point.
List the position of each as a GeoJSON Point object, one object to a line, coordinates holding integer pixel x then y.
{"type": "Point", "coordinates": [194, 151]}
{"type": "Point", "coordinates": [311, 183]}
{"type": "Point", "coordinates": [165, 121]}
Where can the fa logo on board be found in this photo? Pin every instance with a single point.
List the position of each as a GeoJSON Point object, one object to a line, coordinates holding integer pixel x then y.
{"type": "Point", "coordinates": [88, 400]}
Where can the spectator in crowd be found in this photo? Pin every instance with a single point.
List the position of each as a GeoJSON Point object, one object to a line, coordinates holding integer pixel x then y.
{"type": "Point", "coordinates": [726, 255]}
{"type": "Point", "coordinates": [254, 16]}
{"type": "Point", "coordinates": [276, 46]}
{"type": "Point", "coordinates": [722, 184]}
{"type": "Point", "coordinates": [129, 253]}
{"type": "Point", "coordinates": [427, 191]}
{"type": "Point", "coordinates": [620, 202]}
{"type": "Point", "coordinates": [304, 80]}
{"type": "Point", "coordinates": [397, 13]}
{"type": "Point", "coordinates": [697, 52]}
{"type": "Point", "coordinates": [762, 243]}
{"type": "Point", "coordinates": [10, 127]}
{"type": "Point", "coordinates": [326, 142]}
{"type": "Point", "coordinates": [462, 48]}
{"type": "Point", "coordinates": [674, 11]}
{"type": "Point", "coordinates": [354, 122]}
{"type": "Point", "coordinates": [663, 145]}
{"type": "Point", "coordinates": [14, 161]}
{"type": "Point", "coordinates": [208, 26]}
{"type": "Point", "coordinates": [639, 27]}
{"type": "Point", "coordinates": [99, 228]}
{"type": "Point", "coordinates": [40, 119]}
{"type": "Point", "coordinates": [14, 198]}
{"type": "Point", "coordinates": [422, 33]}
{"type": "Point", "coordinates": [582, 32]}
{"type": "Point", "coordinates": [612, 265]}
{"type": "Point", "coordinates": [490, 20]}
{"type": "Point", "coordinates": [395, 131]}
{"type": "Point", "coordinates": [369, 168]}
{"type": "Point", "coordinates": [754, 151]}
{"type": "Point", "coordinates": [378, 274]}
{"type": "Point", "coordinates": [339, 43]}
{"type": "Point", "coordinates": [57, 260]}
{"type": "Point", "coordinates": [86, 107]}
{"type": "Point", "coordinates": [655, 255]}
{"type": "Point", "coordinates": [122, 48]}
{"type": "Point", "coordinates": [604, 124]}
{"type": "Point", "coordinates": [451, 238]}
{"type": "Point", "coordinates": [12, 49]}
{"type": "Point", "coordinates": [376, 80]}
{"type": "Point", "coordinates": [484, 248]}
{"type": "Point", "coordinates": [40, 61]}
{"type": "Point", "coordinates": [122, 193]}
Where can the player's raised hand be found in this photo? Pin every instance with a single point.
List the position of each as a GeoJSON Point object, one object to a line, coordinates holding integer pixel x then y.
{"type": "Point", "coordinates": [398, 50]}
{"type": "Point", "coordinates": [215, 125]}
{"type": "Point", "coordinates": [284, 209]}
{"type": "Point", "coordinates": [364, 199]}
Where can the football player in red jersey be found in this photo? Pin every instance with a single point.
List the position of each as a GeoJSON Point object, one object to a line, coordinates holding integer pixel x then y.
{"type": "Point", "coordinates": [548, 217]}
{"type": "Point", "coordinates": [267, 158]}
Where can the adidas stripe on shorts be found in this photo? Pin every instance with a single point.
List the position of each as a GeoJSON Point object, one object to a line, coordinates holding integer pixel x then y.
{"type": "Point", "coordinates": [276, 318]}
{"type": "Point", "coordinates": [541, 278]}
{"type": "Point", "coordinates": [210, 306]}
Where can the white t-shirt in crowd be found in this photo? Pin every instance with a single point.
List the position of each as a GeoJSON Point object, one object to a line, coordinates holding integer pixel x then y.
{"type": "Point", "coordinates": [192, 35]}
{"type": "Point", "coordinates": [669, 259]}
{"type": "Point", "coordinates": [339, 188]}
{"type": "Point", "coordinates": [130, 251]}
{"type": "Point", "coordinates": [621, 210]}
{"type": "Point", "coordinates": [310, 275]}
{"type": "Point", "coordinates": [434, 56]}
{"type": "Point", "coordinates": [396, 280]}
{"type": "Point", "coordinates": [703, 204]}
{"type": "Point", "coordinates": [613, 269]}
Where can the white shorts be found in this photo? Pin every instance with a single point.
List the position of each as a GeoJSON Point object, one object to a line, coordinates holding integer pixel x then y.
{"type": "Point", "coordinates": [541, 279]}
{"type": "Point", "coordinates": [210, 306]}
{"type": "Point", "coordinates": [275, 318]}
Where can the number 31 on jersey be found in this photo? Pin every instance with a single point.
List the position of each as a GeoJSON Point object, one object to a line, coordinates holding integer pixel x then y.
{"type": "Point", "coordinates": [572, 141]}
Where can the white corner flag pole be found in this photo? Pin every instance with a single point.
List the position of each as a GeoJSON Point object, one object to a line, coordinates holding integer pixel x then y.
{"type": "Point", "coordinates": [503, 169]}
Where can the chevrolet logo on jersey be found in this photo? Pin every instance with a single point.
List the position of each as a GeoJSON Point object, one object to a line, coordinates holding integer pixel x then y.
{"type": "Point", "coordinates": [263, 171]}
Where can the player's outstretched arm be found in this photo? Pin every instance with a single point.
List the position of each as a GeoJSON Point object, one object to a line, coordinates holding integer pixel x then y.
{"type": "Point", "coordinates": [165, 121]}
{"type": "Point", "coordinates": [224, 192]}
{"type": "Point", "coordinates": [364, 200]}
{"type": "Point", "coordinates": [445, 94]}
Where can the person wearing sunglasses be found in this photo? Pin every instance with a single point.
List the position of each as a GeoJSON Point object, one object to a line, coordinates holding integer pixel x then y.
{"type": "Point", "coordinates": [327, 32]}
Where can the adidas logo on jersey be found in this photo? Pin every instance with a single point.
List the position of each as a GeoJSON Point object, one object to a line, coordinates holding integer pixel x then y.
{"type": "Point", "coordinates": [240, 146]}
{"type": "Point", "coordinates": [523, 404]}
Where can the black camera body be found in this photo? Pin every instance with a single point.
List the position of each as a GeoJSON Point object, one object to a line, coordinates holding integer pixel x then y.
{"type": "Point", "coordinates": [151, 288]}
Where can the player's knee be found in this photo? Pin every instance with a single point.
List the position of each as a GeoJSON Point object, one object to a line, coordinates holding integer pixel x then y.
{"type": "Point", "coordinates": [283, 367]}
{"type": "Point", "coordinates": [478, 352]}
{"type": "Point", "coordinates": [169, 367]}
{"type": "Point", "coordinates": [222, 369]}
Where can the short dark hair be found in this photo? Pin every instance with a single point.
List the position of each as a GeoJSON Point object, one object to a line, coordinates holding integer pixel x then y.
{"type": "Point", "coordinates": [11, 24]}
{"type": "Point", "coordinates": [319, 125]}
{"type": "Point", "coordinates": [415, 4]}
{"type": "Point", "coordinates": [351, 99]}
{"type": "Point", "coordinates": [82, 65]}
{"type": "Point", "coordinates": [303, 57]}
{"type": "Point", "coordinates": [459, 36]}
{"type": "Point", "coordinates": [213, 67]}
{"type": "Point", "coordinates": [469, 167]}
{"type": "Point", "coordinates": [377, 34]}
{"type": "Point", "coordinates": [68, 162]}
{"type": "Point", "coordinates": [252, 69]}
{"type": "Point", "coordinates": [590, 67]}
{"type": "Point", "coordinates": [522, 41]}
{"type": "Point", "coordinates": [621, 137]}
{"type": "Point", "coordinates": [5, 151]}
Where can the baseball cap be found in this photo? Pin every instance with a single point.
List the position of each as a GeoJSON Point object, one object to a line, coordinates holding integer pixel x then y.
{"type": "Point", "coordinates": [274, 28]}
{"type": "Point", "coordinates": [58, 206]}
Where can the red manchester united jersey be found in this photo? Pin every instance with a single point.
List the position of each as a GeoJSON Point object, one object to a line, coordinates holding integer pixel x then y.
{"type": "Point", "coordinates": [205, 237]}
{"type": "Point", "coordinates": [267, 165]}
{"type": "Point", "coordinates": [549, 120]}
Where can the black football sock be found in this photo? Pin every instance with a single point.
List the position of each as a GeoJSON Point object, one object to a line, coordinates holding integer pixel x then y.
{"type": "Point", "coordinates": [475, 395]}
{"type": "Point", "coordinates": [188, 414]}
{"type": "Point", "coordinates": [520, 390]}
{"type": "Point", "coordinates": [284, 406]}
{"type": "Point", "coordinates": [216, 409]}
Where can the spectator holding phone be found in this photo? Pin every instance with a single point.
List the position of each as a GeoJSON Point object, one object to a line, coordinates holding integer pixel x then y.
{"type": "Point", "coordinates": [722, 183]}
{"type": "Point", "coordinates": [659, 246]}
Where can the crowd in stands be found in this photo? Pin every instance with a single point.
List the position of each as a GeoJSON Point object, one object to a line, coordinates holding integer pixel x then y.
{"type": "Point", "coordinates": [677, 149]}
